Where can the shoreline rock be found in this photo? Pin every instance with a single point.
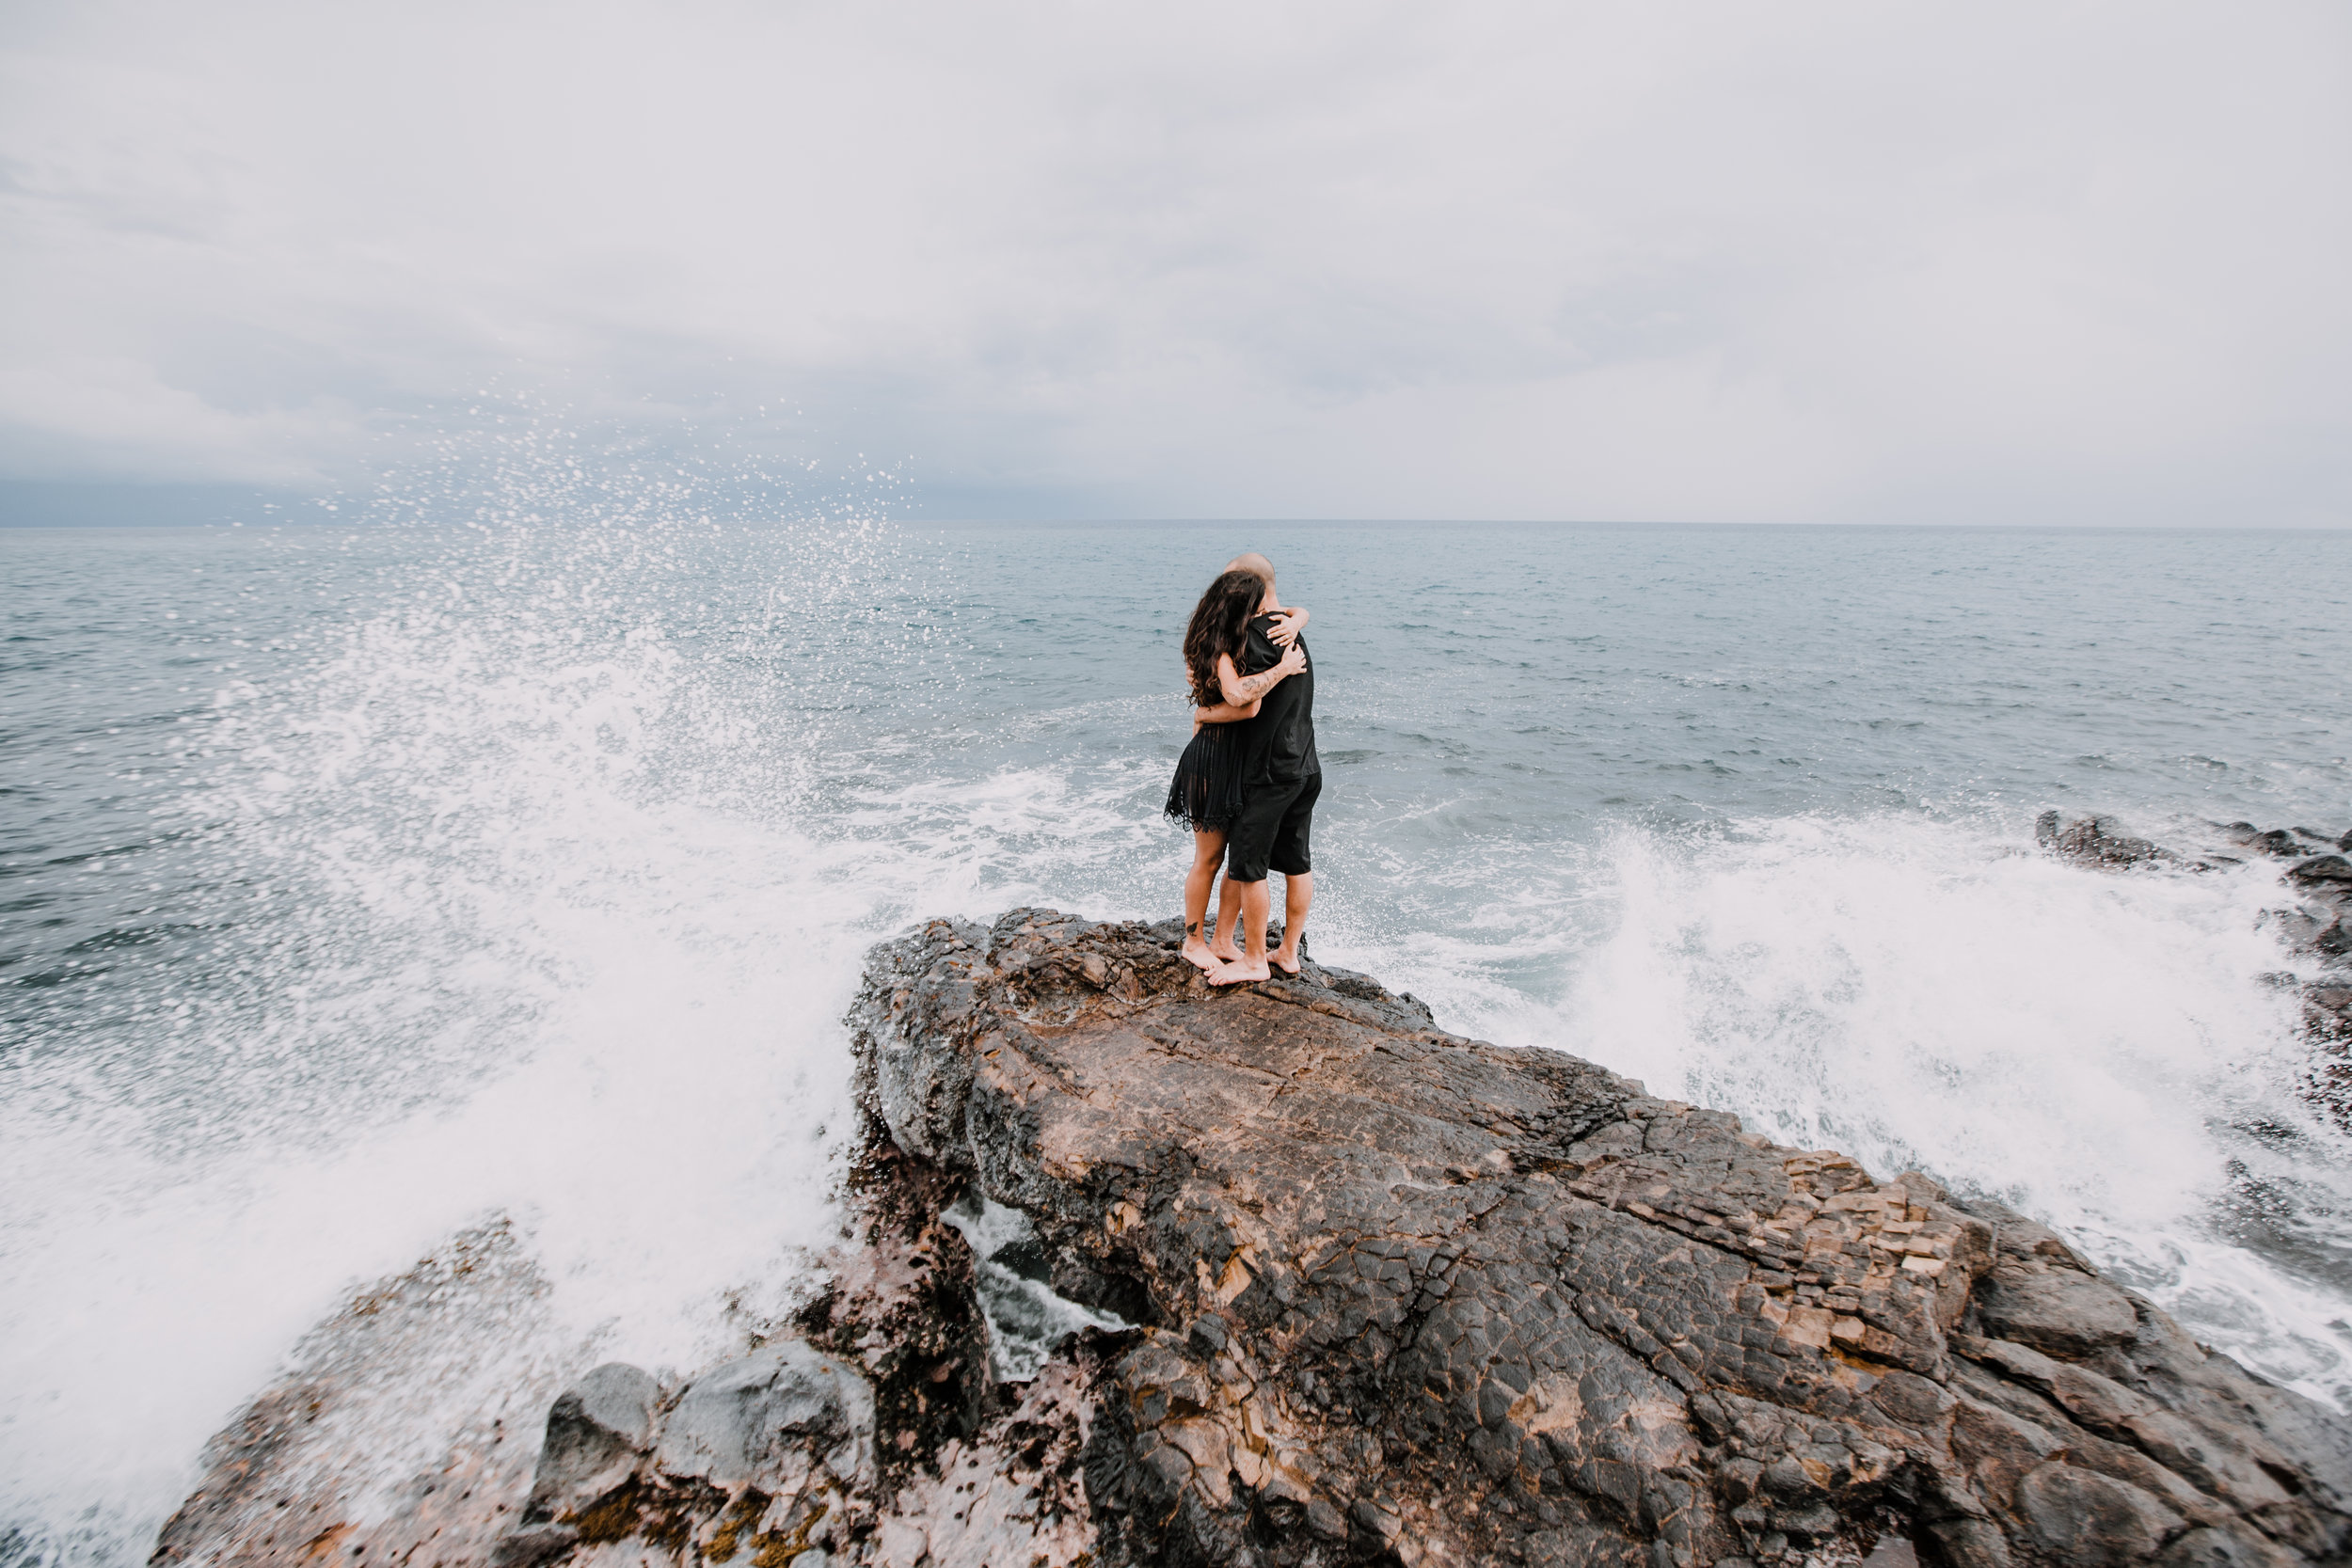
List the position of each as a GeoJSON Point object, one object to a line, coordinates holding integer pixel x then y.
{"type": "Point", "coordinates": [2317, 925]}
{"type": "Point", "coordinates": [1398, 1297]}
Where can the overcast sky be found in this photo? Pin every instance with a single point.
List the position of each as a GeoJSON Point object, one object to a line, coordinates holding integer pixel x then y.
{"type": "Point", "coordinates": [2046, 263]}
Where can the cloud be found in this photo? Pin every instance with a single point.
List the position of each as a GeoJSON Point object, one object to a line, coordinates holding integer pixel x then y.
{"type": "Point", "coordinates": [2047, 264]}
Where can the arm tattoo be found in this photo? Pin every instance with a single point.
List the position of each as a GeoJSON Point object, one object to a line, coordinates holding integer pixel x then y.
{"type": "Point", "coordinates": [1254, 686]}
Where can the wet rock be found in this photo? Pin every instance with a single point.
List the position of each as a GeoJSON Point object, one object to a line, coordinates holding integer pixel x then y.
{"type": "Point", "coordinates": [2296, 928]}
{"type": "Point", "coordinates": [596, 1432]}
{"type": "Point", "coordinates": [2275, 841]}
{"type": "Point", "coordinates": [2062, 1310]}
{"type": "Point", "coordinates": [2026, 1239]}
{"type": "Point", "coordinates": [2078, 1518]}
{"type": "Point", "coordinates": [767, 1419]}
{"type": "Point", "coordinates": [2326, 874]}
{"type": "Point", "coordinates": [2093, 840]}
{"type": "Point", "coordinates": [2223, 1548]}
{"type": "Point", "coordinates": [2330, 1008]}
{"type": "Point", "coordinates": [284, 1483]}
{"type": "Point", "coordinates": [2319, 928]}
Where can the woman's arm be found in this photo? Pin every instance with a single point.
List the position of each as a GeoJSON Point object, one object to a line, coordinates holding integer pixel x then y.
{"type": "Point", "coordinates": [1225, 713]}
{"type": "Point", "coordinates": [1219, 713]}
{"type": "Point", "coordinates": [1241, 690]}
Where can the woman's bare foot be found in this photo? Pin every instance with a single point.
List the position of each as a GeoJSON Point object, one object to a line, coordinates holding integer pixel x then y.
{"type": "Point", "coordinates": [1240, 974]}
{"type": "Point", "coordinates": [1198, 952]}
{"type": "Point", "coordinates": [1222, 945]}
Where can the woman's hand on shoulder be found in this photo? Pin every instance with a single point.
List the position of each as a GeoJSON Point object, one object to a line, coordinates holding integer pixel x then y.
{"type": "Point", "coordinates": [1288, 623]}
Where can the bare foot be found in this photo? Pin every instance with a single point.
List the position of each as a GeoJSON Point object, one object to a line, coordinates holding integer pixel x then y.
{"type": "Point", "coordinates": [1286, 962]}
{"type": "Point", "coordinates": [1241, 973]}
{"type": "Point", "coordinates": [1199, 952]}
{"type": "Point", "coordinates": [1225, 950]}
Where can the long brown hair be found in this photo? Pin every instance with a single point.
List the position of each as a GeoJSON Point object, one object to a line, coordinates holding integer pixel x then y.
{"type": "Point", "coordinates": [1220, 625]}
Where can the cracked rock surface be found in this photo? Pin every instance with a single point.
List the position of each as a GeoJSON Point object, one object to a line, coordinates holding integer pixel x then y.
{"type": "Point", "coordinates": [1400, 1298]}
{"type": "Point", "coordinates": [1412, 1297]}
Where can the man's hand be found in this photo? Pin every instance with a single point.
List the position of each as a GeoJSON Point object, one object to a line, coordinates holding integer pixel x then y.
{"type": "Point", "coordinates": [1288, 623]}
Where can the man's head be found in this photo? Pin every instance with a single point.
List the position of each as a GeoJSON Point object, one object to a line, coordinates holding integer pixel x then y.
{"type": "Point", "coordinates": [1251, 560]}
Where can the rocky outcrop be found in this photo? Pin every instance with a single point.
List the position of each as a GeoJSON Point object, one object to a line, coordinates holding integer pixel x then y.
{"type": "Point", "coordinates": [765, 1458]}
{"type": "Point", "coordinates": [1378, 1293]}
{"type": "Point", "coordinates": [293, 1480]}
{"type": "Point", "coordinates": [1413, 1297]}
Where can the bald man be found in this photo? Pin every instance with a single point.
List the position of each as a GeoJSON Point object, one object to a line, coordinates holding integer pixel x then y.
{"type": "Point", "coordinates": [1282, 776]}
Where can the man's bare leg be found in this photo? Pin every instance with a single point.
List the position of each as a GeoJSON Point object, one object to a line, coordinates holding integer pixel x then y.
{"type": "Point", "coordinates": [1253, 913]}
{"type": "Point", "coordinates": [1208, 853]}
{"type": "Point", "coordinates": [1298, 896]}
{"type": "Point", "coordinates": [1229, 904]}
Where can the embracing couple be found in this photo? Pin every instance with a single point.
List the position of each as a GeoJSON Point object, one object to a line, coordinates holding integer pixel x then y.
{"type": "Point", "coordinates": [1247, 783]}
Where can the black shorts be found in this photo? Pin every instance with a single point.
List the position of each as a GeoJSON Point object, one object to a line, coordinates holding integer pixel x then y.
{"type": "Point", "coordinates": [1271, 831]}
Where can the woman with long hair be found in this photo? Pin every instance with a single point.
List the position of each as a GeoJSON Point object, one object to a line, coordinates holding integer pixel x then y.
{"type": "Point", "coordinates": [1206, 793]}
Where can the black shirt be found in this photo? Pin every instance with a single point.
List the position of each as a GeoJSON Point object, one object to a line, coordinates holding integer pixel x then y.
{"type": "Point", "coordinates": [1278, 745]}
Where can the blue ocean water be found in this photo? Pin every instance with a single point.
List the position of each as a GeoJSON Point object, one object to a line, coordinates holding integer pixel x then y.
{"type": "Point", "coordinates": [363, 884]}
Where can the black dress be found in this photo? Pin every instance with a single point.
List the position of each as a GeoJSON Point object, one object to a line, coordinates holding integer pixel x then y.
{"type": "Point", "coordinates": [1206, 792]}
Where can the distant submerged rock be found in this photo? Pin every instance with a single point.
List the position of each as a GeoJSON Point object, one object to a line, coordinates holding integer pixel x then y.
{"type": "Point", "coordinates": [2093, 839]}
{"type": "Point", "coordinates": [1375, 1293]}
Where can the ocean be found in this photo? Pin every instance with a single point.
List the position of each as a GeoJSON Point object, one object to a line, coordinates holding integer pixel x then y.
{"type": "Point", "coordinates": [369, 887]}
